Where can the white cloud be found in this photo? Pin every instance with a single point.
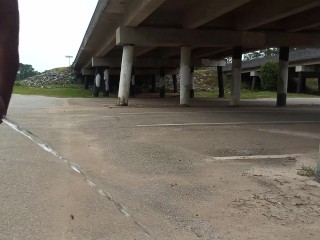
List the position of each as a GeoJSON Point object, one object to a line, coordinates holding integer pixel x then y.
{"type": "Point", "coordinates": [50, 30]}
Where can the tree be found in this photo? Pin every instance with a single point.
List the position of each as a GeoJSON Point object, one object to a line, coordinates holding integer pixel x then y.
{"type": "Point", "coordinates": [269, 76]}
{"type": "Point", "coordinates": [25, 71]}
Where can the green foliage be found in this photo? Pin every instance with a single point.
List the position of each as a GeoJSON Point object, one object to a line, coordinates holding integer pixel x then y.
{"type": "Point", "coordinates": [269, 76]}
{"type": "Point", "coordinates": [245, 85]}
{"type": "Point", "coordinates": [17, 84]}
{"type": "Point", "coordinates": [25, 71]}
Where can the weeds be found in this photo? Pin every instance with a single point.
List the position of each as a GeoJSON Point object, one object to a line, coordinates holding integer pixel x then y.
{"type": "Point", "coordinates": [307, 171]}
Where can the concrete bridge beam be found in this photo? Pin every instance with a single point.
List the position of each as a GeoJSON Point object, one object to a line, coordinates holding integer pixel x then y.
{"type": "Point", "coordinates": [236, 76]}
{"type": "Point", "coordinates": [283, 76]}
{"type": "Point", "coordinates": [170, 37]}
{"type": "Point", "coordinates": [125, 75]}
{"type": "Point", "coordinates": [272, 11]}
{"type": "Point", "coordinates": [210, 10]}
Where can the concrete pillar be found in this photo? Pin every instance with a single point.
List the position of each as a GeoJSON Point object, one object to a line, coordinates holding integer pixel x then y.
{"type": "Point", "coordinates": [162, 84]}
{"type": "Point", "coordinates": [283, 76]}
{"type": "Point", "coordinates": [192, 83]}
{"type": "Point", "coordinates": [153, 84]}
{"type": "Point", "coordinates": [97, 83]}
{"type": "Point", "coordinates": [132, 85]}
{"type": "Point", "coordinates": [174, 80]}
{"type": "Point", "coordinates": [301, 84]}
{"type": "Point", "coordinates": [106, 77]}
{"type": "Point", "coordinates": [125, 75]}
{"type": "Point", "coordinates": [319, 84]}
{"type": "Point", "coordinates": [220, 82]}
{"type": "Point", "coordinates": [185, 76]}
{"type": "Point", "coordinates": [86, 82]}
{"type": "Point", "coordinates": [236, 76]}
{"type": "Point", "coordinates": [254, 82]}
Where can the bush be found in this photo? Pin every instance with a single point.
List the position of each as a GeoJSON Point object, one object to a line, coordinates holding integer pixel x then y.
{"type": "Point", "coordinates": [245, 85]}
{"type": "Point", "coordinates": [17, 84]}
{"type": "Point", "coordinates": [269, 76]}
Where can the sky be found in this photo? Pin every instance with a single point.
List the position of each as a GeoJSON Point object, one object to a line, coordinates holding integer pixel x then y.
{"type": "Point", "coordinates": [52, 29]}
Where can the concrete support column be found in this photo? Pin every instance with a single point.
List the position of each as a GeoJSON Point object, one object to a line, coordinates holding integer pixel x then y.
{"type": "Point", "coordinates": [97, 83]}
{"type": "Point", "coordinates": [254, 82]}
{"type": "Point", "coordinates": [220, 82]}
{"type": "Point", "coordinates": [106, 77]}
{"type": "Point", "coordinates": [162, 84]}
{"type": "Point", "coordinates": [153, 84]}
{"type": "Point", "coordinates": [283, 76]}
{"type": "Point", "coordinates": [185, 76]}
{"type": "Point", "coordinates": [319, 84]}
{"type": "Point", "coordinates": [174, 80]}
{"type": "Point", "coordinates": [301, 84]}
{"type": "Point", "coordinates": [132, 85]}
{"type": "Point", "coordinates": [236, 76]}
{"type": "Point", "coordinates": [125, 75]}
{"type": "Point", "coordinates": [86, 82]}
{"type": "Point", "coordinates": [192, 83]}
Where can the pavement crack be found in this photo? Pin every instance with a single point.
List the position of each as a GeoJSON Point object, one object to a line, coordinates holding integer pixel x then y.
{"type": "Point", "coordinates": [75, 167]}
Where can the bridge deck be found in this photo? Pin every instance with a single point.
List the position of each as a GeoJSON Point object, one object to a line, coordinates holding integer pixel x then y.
{"type": "Point", "coordinates": [293, 22]}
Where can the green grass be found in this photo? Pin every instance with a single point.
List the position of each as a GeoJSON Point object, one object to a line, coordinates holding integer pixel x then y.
{"type": "Point", "coordinates": [307, 171]}
{"type": "Point", "coordinates": [77, 92]}
{"type": "Point", "coordinates": [66, 92]}
{"type": "Point", "coordinates": [247, 94]}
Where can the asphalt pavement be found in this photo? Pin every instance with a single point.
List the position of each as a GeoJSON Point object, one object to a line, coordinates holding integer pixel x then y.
{"type": "Point", "coordinates": [147, 171]}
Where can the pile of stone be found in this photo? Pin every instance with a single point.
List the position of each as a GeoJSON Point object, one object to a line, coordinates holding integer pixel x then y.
{"type": "Point", "coordinates": [205, 80]}
{"type": "Point", "coordinates": [57, 76]}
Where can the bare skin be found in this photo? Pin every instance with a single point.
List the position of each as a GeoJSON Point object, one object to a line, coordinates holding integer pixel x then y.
{"type": "Point", "coordinates": [9, 55]}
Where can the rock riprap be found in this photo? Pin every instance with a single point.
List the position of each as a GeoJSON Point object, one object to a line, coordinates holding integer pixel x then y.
{"type": "Point", "coordinates": [57, 76]}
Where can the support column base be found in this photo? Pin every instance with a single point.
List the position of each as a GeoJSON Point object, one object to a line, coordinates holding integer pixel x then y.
{"type": "Point", "coordinates": [86, 84]}
{"type": "Point", "coordinates": [234, 102]}
{"type": "Point", "coordinates": [281, 99]}
{"type": "Point", "coordinates": [192, 93]}
{"type": "Point", "coordinates": [122, 102]}
{"type": "Point", "coordinates": [162, 92]}
{"type": "Point", "coordinates": [96, 91]}
{"type": "Point", "coordinates": [184, 105]}
{"type": "Point", "coordinates": [106, 93]}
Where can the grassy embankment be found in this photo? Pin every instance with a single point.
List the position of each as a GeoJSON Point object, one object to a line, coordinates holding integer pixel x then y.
{"type": "Point", "coordinates": [62, 92]}
{"type": "Point", "coordinates": [247, 94]}
{"type": "Point", "coordinates": [205, 81]}
{"type": "Point", "coordinates": [76, 92]}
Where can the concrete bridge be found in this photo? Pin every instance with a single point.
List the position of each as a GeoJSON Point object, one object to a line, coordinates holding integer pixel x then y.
{"type": "Point", "coordinates": [303, 64]}
{"type": "Point", "coordinates": [131, 37]}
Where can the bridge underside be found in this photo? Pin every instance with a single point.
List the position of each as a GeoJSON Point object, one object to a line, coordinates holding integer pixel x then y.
{"type": "Point", "coordinates": [160, 36]}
